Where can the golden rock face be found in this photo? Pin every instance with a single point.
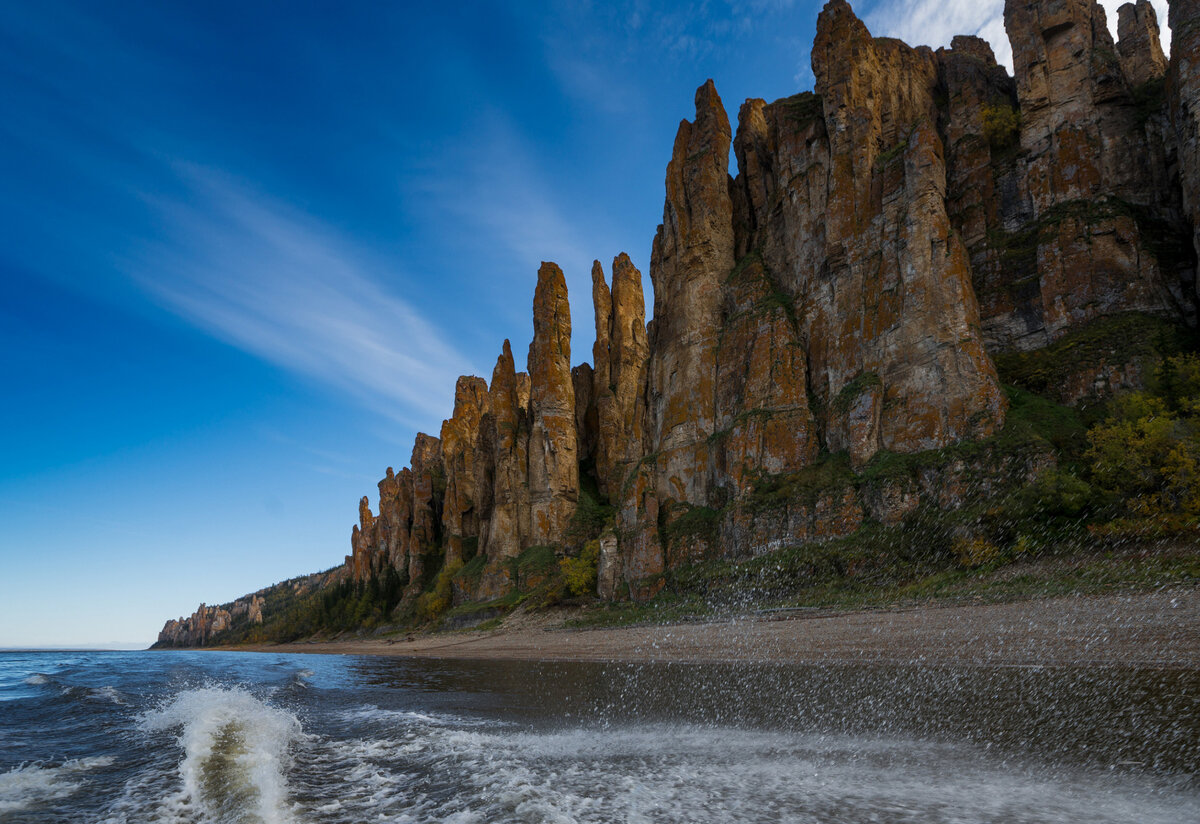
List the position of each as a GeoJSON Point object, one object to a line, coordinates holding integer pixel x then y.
{"type": "Point", "coordinates": [553, 441]}
{"type": "Point", "coordinates": [841, 294]}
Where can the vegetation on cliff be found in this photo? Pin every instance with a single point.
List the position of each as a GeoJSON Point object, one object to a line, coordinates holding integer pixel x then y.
{"type": "Point", "coordinates": [939, 323]}
{"type": "Point", "coordinates": [1115, 505]}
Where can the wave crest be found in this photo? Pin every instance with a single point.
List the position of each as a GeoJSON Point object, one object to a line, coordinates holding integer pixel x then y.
{"type": "Point", "coordinates": [235, 753]}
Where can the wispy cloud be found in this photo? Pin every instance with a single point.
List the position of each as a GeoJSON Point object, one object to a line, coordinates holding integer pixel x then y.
{"type": "Point", "coordinates": [281, 285]}
{"type": "Point", "coordinates": [501, 199]}
{"type": "Point", "coordinates": [501, 193]}
{"type": "Point", "coordinates": [936, 22]}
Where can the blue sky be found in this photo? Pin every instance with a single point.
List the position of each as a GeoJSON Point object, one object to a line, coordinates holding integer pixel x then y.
{"type": "Point", "coordinates": [248, 248]}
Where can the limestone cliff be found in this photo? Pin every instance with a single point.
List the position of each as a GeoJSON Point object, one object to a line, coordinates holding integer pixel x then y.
{"type": "Point", "coordinates": [1183, 94]}
{"type": "Point", "coordinates": [620, 353]}
{"type": "Point", "coordinates": [839, 301]}
{"type": "Point", "coordinates": [460, 515]}
{"type": "Point", "coordinates": [1088, 224]}
{"type": "Point", "coordinates": [553, 439]}
{"type": "Point", "coordinates": [208, 623]}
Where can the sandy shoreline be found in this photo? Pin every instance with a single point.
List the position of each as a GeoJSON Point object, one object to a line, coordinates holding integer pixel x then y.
{"type": "Point", "coordinates": [1160, 629]}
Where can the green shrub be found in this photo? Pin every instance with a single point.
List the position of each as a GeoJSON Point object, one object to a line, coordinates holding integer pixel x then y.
{"type": "Point", "coordinates": [472, 570]}
{"type": "Point", "coordinates": [1179, 379]}
{"type": "Point", "coordinates": [579, 574]}
{"type": "Point", "coordinates": [1146, 454]}
{"type": "Point", "coordinates": [694, 522]}
{"type": "Point", "coordinates": [532, 561]}
{"type": "Point", "coordinates": [432, 604]}
{"type": "Point", "coordinates": [975, 551]}
{"type": "Point", "coordinates": [1056, 493]}
{"type": "Point", "coordinates": [1001, 125]}
{"type": "Point", "coordinates": [1149, 98]}
{"type": "Point", "coordinates": [802, 108]}
{"type": "Point", "coordinates": [831, 473]}
{"type": "Point", "coordinates": [851, 391]}
{"type": "Point", "coordinates": [1118, 339]}
{"type": "Point", "coordinates": [591, 515]}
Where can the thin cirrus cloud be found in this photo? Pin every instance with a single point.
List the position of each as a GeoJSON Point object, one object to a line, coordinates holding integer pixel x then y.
{"type": "Point", "coordinates": [501, 194]}
{"type": "Point", "coordinates": [936, 22]}
{"type": "Point", "coordinates": [503, 201]}
{"type": "Point", "coordinates": [285, 288]}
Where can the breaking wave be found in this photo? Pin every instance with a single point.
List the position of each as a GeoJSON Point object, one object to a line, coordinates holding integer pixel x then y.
{"type": "Point", "coordinates": [235, 756]}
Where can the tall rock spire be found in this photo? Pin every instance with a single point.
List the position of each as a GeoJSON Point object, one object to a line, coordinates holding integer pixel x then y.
{"type": "Point", "coordinates": [620, 373]}
{"type": "Point", "coordinates": [691, 256]}
{"type": "Point", "coordinates": [1085, 156]}
{"type": "Point", "coordinates": [602, 306]}
{"type": "Point", "coordinates": [429, 486]}
{"type": "Point", "coordinates": [553, 443]}
{"type": "Point", "coordinates": [460, 516]}
{"type": "Point", "coordinates": [1184, 92]}
{"type": "Point", "coordinates": [891, 320]}
{"type": "Point", "coordinates": [509, 523]}
{"type": "Point", "coordinates": [1139, 43]}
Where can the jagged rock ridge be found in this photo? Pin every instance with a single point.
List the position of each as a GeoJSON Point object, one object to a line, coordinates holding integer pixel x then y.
{"type": "Point", "coordinates": [845, 293]}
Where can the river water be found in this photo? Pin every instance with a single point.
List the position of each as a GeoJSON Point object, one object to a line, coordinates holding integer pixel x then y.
{"type": "Point", "coordinates": [239, 737]}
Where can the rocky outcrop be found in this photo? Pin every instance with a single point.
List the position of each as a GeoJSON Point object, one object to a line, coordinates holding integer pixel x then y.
{"type": "Point", "coordinates": [365, 551]}
{"type": "Point", "coordinates": [213, 624]}
{"type": "Point", "coordinates": [429, 487]}
{"type": "Point", "coordinates": [1183, 89]}
{"type": "Point", "coordinates": [618, 380]}
{"type": "Point", "coordinates": [1139, 43]}
{"type": "Point", "coordinates": [553, 449]}
{"type": "Point", "coordinates": [1089, 231]}
{"type": "Point", "coordinates": [460, 516]}
{"type": "Point", "coordinates": [509, 525]}
{"type": "Point", "coordinates": [840, 294]}
{"type": "Point", "coordinates": [763, 424]}
{"type": "Point", "coordinates": [979, 124]}
{"type": "Point", "coordinates": [891, 317]}
{"type": "Point", "coordinates": [197, 629]}
{"type": "Point", "coordinates": [393, 527]}
{"type": "Point", "coordinates": [691, 255]}
{"type": "Point", "coordinates": [833, 309]}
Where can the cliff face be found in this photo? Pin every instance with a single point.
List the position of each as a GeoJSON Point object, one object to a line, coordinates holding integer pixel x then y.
{"type": "Point", "coordinates": [1183, 95]}
{"type": "Point", "coordinates": [840, 299]}
{"type": "Point", "coordinates": [460, 515]}
{"type": "Point", "coordinates": [892, 296]}
{"type": "Point", "coordinates": [553, 437]}
{"type": "Point", "coordinates": [621, 354]}
{"type": "Point", "coordinates": [1086, 222]}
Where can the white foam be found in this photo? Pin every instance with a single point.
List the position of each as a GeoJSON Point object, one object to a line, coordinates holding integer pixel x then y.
{"type": "Point", "coordinates": [110, 694]}
{"type": "Point", "coordinates": [235, 754]}
{"type": "Point", "coordinates": [37, 680]}
{"type": "Point", "coordinates": [703, 774]}
{"type": "Point", "coordinates": [407, 718]}
{"type": "Point", "coordinates": [31, 784]}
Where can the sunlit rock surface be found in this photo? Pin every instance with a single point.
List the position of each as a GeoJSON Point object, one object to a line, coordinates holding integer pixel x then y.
{"type": "Point", "coordinates": [841, 298]}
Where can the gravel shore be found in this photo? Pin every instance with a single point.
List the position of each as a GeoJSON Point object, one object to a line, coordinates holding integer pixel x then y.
{"type": "Point", "coordinates": [1145, 629]}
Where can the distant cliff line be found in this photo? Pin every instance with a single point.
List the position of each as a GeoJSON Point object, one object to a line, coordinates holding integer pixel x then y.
{"type": "Point", "coordinates": [845, 298]}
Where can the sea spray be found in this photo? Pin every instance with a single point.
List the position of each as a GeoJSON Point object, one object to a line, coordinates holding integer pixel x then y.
{"type": "Point", "coordinates": [33, 784]}
{"type": "Point", "coordinates": [235, 754]}
{"type": "Point", "coordinates": [412, 740]}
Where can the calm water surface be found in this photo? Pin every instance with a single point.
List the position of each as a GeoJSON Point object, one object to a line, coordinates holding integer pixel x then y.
{"type": "Point", "coordinates": [232, 737]}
